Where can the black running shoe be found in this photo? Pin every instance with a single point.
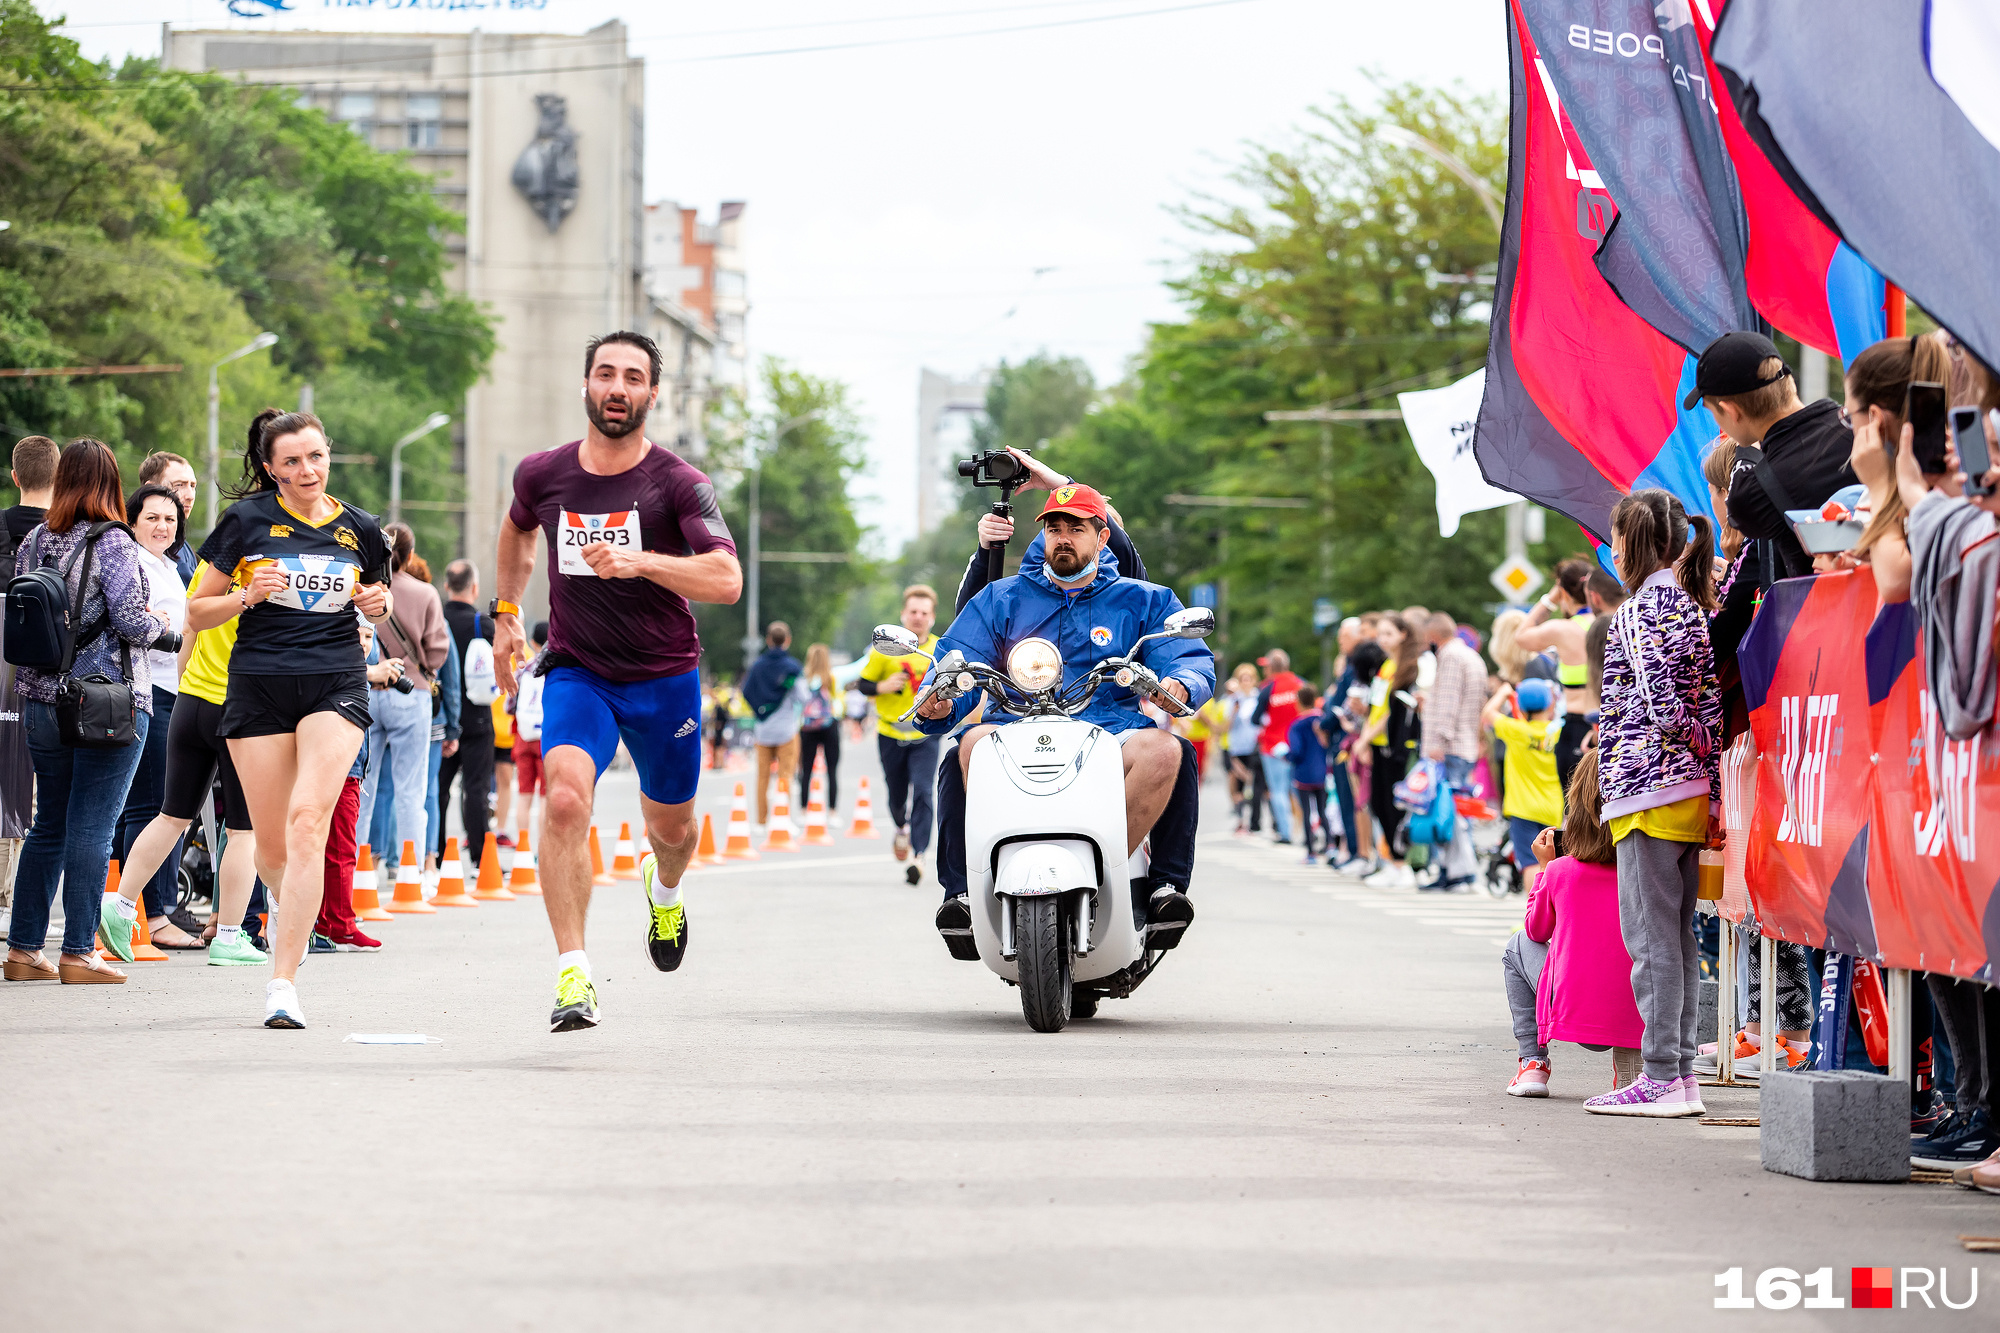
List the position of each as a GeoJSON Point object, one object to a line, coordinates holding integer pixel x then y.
{"type": "Point", "coordinates": [954, 923]}
{"type": "Point", "coordinates": [666, 927]}
{"type": "Point", "coordinates": [1168, 914]}
{"type": "Point", "coordinates": [1966, 1139]}
{"type": "Point", "coordinates": [576, 1002]}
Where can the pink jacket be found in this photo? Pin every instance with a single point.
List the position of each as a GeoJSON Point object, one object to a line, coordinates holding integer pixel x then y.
{"type": "Point", "coordinates": [1586, 990]}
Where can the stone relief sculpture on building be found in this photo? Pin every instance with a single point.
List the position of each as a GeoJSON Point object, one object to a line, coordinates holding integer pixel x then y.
{"type": "Point", "coordinates": [546, 173]}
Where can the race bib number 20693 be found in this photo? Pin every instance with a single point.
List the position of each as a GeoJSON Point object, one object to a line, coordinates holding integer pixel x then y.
{"type": "Point", "coordinates": [580, 530]}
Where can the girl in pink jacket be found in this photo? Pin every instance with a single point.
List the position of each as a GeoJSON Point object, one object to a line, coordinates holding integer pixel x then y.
{"type": "Point", "coordinates": [1567, 973]}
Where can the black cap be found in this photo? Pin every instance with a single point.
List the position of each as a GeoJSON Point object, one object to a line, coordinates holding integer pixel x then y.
{"type": "Point", "coordinates": [1730, 365]}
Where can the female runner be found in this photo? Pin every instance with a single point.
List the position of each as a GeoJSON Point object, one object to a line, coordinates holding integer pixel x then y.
{"type": "Point", "coordinates": [294, 564]}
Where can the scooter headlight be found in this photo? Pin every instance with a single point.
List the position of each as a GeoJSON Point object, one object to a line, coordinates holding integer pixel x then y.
{"type": "Point", "coordinates": [1035, 665]}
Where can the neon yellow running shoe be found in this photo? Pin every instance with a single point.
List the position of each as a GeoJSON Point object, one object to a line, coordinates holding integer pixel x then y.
{"type": "Point", "coordinates": [667, 929]}
{"type": "Point", "coordinates": [576, 1002]}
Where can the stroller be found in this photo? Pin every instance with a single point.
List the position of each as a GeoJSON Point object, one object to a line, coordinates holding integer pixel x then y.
{"type": "Point", "coordinates": [1494, 848]}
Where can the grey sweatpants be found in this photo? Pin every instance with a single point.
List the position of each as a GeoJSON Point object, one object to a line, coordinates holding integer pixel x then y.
{"type": "Point", "coordinates": [1521, 968]}
{"type": "Point", "coordinates": [1656, 897]}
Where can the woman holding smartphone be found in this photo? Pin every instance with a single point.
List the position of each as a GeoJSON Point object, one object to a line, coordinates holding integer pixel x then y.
{"type": "Point", "coordinates": [1878, 386]}
{"type": "Point", "coordinates": [295, 565]}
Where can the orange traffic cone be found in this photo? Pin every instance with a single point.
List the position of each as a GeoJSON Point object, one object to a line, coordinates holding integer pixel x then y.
{"type": "Point", "coordinates": [737, 847]}
{"type": "Point", "coordinates": [367, 894]}
{"type": "Point", "coordinates": [624, 861]}
{"type": "Point", "coordinates": [451, 879]}
{"type": "Point", "coordinates": [597, 875]}
{"type": "Point", "coordinates": [779, 838]}
{"type": "Point", "coordinates": [523, 880]}
{"type": "Point", "coordinates": [409, 885]}
{"type": "Point", "coordinates": [704, 852]}
{"type": "Point", "coordinates": [491, 888]}
{"type": "Point", "coordinates": [816, 834]}
{"type": "Point", "coordinates": [864, 822]}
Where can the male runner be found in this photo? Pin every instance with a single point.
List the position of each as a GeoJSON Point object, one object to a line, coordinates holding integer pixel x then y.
{"type": "Point", "coordinates": [634, 534]}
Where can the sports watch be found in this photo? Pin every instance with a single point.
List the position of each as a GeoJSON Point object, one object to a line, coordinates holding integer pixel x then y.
{"type": "Point", "coordinates": [496, 607]}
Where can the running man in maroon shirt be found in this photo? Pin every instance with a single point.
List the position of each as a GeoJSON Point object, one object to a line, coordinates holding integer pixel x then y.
{"type": "Point", "coordinates": [634, 534]}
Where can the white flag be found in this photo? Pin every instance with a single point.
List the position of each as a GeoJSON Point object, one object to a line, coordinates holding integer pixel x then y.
{"type": "Point", "coordinates": [1440, 422]}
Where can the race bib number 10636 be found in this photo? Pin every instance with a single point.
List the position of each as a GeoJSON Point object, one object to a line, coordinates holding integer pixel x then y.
{"type": "Point", "coordinates": [580, 530]}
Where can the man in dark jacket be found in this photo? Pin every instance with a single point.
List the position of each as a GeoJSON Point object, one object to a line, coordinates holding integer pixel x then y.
{"type": "Point", "coordinates": [473, 760]}
{"type": "Point", "coordinates": [1789, 455]}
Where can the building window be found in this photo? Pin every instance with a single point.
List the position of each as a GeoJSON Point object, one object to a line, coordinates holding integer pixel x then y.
{"type": "Point", "coordinates": [729, 283]}
{"type": "Point", "coordinates": [423, 120]}
{"type": "Point", "coordinates": [357, 112]}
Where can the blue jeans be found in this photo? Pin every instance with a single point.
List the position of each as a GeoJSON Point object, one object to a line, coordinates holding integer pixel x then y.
{"type": "Point", "coordinates": [1343, 795]}
{"type": "Point", "coordinates": [403, 727]}
{"type": "Point", "coordinates": [142, 802]}
{"type": "Point", "coordinates": [431, 821]}
{"type": "Point", "coordinates": [79, 795]}
{"type": "Point", "coordinates": [1278, 779]}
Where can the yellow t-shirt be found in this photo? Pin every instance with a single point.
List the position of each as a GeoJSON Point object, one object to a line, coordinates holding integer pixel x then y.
{"type": "Point", "coordinates": [1210, 720]}
{"type": "Point", "coordinates": [207, 674]}
{"type": "Point", "coordinates": [1534, 791]}
{"type": "Point", "coordinates": [503, 724]}
{"type": "Point", "coordinates": [1378, 701]}
{"type": "Point", "coordinates": [888, 707]}
{"type": "Point", "coordinates": [1684, 820]}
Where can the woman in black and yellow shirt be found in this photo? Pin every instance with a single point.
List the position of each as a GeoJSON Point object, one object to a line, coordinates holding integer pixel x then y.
{"type": "Point", "coordinates": [296, 565]}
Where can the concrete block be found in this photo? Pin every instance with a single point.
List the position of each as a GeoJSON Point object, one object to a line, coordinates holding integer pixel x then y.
{"type": "Point", "coordinates": [1842, 1124]}
{"type": "Point", "coordinates": [1704, 1022]}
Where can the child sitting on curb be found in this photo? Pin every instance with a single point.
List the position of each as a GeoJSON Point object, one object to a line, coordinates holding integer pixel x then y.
{"type": "Point", "coordinates": [1568, 975]}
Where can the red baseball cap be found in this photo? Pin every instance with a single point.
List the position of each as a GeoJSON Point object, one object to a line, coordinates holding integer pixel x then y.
{"type": "Point", "coordinates": [1081, 501]}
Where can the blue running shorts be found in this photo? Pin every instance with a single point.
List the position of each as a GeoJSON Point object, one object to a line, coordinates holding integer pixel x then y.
{"type": "Point", "coordinates": [659, 721]}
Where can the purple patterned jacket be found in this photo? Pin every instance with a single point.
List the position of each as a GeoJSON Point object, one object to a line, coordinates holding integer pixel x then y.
{"type": "Point", "coordinates": [1660, 724]}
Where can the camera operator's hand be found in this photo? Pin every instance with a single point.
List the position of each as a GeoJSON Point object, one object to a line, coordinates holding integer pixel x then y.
{"type": "Point", "coordinates": [386, 673]}
{"type": "Point", "coordinates": [1041, 477]}
{"type": "Point", "coordinates": [995, 530]}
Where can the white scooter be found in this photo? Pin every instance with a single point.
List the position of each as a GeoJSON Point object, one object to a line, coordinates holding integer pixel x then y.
{"type": "Point", "coordinates": [1051, 900]}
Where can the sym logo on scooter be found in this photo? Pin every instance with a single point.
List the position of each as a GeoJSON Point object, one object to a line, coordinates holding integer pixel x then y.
{"type": "Point", "coordinates": [1044, 745]}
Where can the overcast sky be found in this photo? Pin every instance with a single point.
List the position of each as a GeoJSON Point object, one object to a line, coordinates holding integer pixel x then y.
{"type": "Point", "coordinates": [950, 202]}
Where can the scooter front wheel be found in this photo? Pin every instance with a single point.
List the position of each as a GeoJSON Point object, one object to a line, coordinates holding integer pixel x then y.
{"type": "Point", "coordinates": [1041, 960]}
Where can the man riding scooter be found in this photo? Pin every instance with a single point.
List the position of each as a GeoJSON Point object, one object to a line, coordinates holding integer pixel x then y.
{"type": "Point", "coordinates": [1077, 600]}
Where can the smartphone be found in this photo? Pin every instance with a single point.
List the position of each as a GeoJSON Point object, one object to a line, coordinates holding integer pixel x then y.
{"type": "Point", "coordinates": [1968, 434]}
{"type": "Point", "coordinates": [1924, 408]}
{"type": "Point", "coordinates": [1559, 840]}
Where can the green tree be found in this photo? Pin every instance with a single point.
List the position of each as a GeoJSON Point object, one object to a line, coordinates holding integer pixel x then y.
{"type": "Point", "coordinates": [803, 499]}
{"type": "Point", "coordinates": [169, 218]}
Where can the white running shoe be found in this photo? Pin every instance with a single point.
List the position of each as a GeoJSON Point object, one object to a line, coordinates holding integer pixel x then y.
{"type": "Point", "coordinates": [281, 1005]}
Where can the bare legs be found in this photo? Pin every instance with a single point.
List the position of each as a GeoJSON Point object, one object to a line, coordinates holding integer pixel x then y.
{"type": "Point", "coordinates": [564, 861]}
{"type": "Point", "coordinates": [1152, 766]}
{"type": "Point", "coordinates": [292, 783]}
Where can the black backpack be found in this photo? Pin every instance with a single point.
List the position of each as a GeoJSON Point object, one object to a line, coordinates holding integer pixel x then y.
{"type": "Point", "coordinates": [41, 631]}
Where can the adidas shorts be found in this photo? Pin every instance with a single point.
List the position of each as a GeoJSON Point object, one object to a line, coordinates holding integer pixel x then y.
{"type": "Point", "coordinates": [659, 721]}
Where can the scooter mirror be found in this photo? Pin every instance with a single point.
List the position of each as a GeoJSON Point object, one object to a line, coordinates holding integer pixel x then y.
{"type": "Point", "coordinates": [1194, 622]}
{"type": "Point", "coordinates": [895, 640]}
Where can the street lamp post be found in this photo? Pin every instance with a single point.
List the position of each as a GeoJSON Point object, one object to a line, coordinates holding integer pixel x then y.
{"type": "Point", "coordinates": [752, 632]}
{"type": "Point", "coordinates": [431, 423]}
{"type": "Point", "coordinates": [257, 344]}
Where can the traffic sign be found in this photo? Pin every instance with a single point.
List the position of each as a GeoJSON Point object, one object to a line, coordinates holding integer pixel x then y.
{"type": "Point", "coordinates": [1202, 594]}
{"type": "Point", "coordinates": [1516, 579]}
{"type": "Point", "coordinates": [1326, 614]}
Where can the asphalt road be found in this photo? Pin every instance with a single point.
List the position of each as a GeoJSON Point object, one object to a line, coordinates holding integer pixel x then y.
{"type": "Point", "coordinates": [822, 1122]}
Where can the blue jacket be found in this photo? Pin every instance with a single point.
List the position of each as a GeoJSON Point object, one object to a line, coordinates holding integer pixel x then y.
{"type": "Point", "coordinates": [1105, 617]}
{"type": "Point", "coordinates": [769, 680]}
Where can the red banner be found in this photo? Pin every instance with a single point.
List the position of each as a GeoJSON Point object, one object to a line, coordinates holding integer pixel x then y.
{"type": "Point", "coordinates": [1863, 827]}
